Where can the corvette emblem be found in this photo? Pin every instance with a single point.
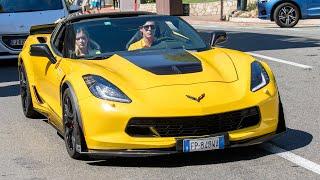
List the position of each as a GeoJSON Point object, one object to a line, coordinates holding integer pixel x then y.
{"type": "Point", "coordinates": [198, 99]}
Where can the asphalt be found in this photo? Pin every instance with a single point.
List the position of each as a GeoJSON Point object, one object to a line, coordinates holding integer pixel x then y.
{"type": "Point", "coordinates": [31, 148]}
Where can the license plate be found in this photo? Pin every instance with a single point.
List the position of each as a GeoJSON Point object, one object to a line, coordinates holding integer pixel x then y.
{"type": "Point", "coordinates": [17, 42]}
{"type": "Point", "coordinates": [203, 144]}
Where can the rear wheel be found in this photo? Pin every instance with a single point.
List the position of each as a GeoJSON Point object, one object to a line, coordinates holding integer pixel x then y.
{"type": "Point", "coordinates": [73, 135]}
{"type": "Point", "coordinates": [26, 98]}
{"type": "Point", "coordinates": [286, 15]}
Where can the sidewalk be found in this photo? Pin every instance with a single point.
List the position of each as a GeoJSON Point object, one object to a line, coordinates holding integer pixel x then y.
{"type": "Point", "coordinates": [244, 22]}
{"type": "Point", "coordinates": [109, 9]}
{"type": "Point", "coordinates": [239, 22]}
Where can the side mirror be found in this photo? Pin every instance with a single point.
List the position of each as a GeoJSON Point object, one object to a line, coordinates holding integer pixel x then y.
{"type": "Point", "coordinates": [214, 37]}
{"type": "Point", "coordinates": [74, 8]}
{"type": "Point", "coordinates": [42, 50]}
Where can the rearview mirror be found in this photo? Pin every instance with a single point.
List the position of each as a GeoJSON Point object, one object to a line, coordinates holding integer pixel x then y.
{"type": "Point", "coordinates": [214, 37]}
{"type": "Point", "coordinates": [42, 50]}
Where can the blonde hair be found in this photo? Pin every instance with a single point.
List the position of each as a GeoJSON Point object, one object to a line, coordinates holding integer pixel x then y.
{"type": "Point", "coordinates": [77, 49]}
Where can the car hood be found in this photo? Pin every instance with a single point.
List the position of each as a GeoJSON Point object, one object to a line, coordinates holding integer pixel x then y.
{"type": "Point", "coordinates": [20, 23]}
{"type": "Point", "coordinates": [143, 70]}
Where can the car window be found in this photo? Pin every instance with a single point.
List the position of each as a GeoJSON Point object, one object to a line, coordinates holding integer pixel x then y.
{"type": "Point", "coordinates": [58, 42]}
{"type": "Point", "coordinates": [110, 35]}
{"type": "Point", "coordinates": [12, 6]}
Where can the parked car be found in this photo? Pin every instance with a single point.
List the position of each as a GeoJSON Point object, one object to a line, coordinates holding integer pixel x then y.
{"type": "Point", "coordinates": [16, 18]}
{"type": "Point", "coordinates": [107, 96]}
{"type": "Point", "coordinates": [287, 13]}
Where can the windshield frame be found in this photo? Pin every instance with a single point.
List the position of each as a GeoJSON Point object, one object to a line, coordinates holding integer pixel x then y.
{"type": "Point", "coordinates": [204, 45]}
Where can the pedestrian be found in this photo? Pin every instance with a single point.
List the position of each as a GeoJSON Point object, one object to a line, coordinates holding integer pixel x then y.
{"type": "Point", "coordinates": [95, 5]}
{"type": "Point", "coordinates": [115, 4]}
{"type": "Point", "coordinates": [77, 2]}
{"type": "Point", "coordinates": [85, 7]}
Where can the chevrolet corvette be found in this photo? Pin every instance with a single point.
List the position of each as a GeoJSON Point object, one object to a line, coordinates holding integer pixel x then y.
{"type": "Point", "coordinates": [176, 91]}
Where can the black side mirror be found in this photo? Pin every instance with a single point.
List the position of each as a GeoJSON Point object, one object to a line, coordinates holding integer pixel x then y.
{"type": "Point", "coordinates": [214, 37]}
{"type": "Point", "coordinates": [42, 50]}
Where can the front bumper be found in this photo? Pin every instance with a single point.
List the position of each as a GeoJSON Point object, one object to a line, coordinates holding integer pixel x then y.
{"type": "Point", "coordinates": [9, 53]}
{"type": "Point", "coordinates": [169, 151]}
{"type": "Point", "coordinates": [105, 132]}
{"type": "Point", "coordinates": [5, 54]}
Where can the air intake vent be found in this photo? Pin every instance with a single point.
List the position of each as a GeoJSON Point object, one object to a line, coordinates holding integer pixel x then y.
{"type": "Point", "coordinates": [193, 126]}
{"type": "Point", "coordinates": [177, 69]}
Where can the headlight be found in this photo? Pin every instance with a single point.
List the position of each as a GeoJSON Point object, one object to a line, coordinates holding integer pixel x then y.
{"type": "Point", "coordinates": [104, 89]}
{"type": "Point", "coordinates": [259, 76]}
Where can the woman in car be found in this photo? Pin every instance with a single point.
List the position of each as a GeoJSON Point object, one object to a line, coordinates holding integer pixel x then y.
{"type": "Point", "coordinates": [84, 46]}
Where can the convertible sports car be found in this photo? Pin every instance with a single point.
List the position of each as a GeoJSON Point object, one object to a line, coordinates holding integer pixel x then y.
{"type": "Point", "coordinates": [180, 95]}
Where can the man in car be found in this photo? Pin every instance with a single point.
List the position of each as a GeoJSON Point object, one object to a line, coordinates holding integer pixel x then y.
{"type": "Point", "coordinates": [147, 30]}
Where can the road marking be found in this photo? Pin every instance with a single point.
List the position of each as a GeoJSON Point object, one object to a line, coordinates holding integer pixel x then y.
{"type": "Point", "coordinates": [302, 162]}
{"type": "Point", "coordinates": [4, 84]}
{"type": "Point", "coordinates": [280, 60]}
{"type": "Point", "coordinates": [262, 56]}
{"type": "Point", "coordinates": [204, 26]}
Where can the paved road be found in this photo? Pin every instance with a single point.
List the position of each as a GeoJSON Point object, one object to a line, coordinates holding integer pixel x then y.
{"type": "Point", "coordinates": [31, 149]}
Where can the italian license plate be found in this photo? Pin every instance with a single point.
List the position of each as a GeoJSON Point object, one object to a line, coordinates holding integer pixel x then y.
{"type": "Point", "coordinates": [17, 42]}
{"type": "Point", "coordinates": [203, 144]}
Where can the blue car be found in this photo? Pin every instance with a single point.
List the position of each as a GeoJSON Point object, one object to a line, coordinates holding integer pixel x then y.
{"type": "Point", "coordinates": [287, 13]}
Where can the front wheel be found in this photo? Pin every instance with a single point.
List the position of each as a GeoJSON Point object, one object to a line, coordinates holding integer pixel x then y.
{"type": "Point", "coordinates": [286, 15]}
{"type": "Point", "coordinates": [26, 99]}
{"type": "Point", "coordinates": [73, 135]}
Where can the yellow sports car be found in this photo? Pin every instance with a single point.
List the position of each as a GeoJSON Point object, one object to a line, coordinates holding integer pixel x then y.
{"type": "Point", "coordinates": [141, 84]}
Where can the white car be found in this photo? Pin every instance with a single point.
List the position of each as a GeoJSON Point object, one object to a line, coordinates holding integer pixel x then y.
{"type": "Point", "coordinates": [17, 16]}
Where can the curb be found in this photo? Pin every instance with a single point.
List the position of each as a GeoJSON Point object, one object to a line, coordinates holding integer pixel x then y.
{"type": "Point", "coordinates": [249, 20]}
{"type": "Point", "coordinates": [308, 22]}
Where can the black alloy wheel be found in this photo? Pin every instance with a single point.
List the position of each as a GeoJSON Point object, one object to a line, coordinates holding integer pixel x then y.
{"type": "Point", "coordinates": [26, 98]}
{"type": "Point", "coordinates": [73, 135]}
{"type": "Point", "coordinates": [286, 15]}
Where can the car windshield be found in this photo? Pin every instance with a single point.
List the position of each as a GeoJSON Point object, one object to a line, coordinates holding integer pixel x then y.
{"type": "Point", "coordinates": [106, 36]}
{"type": "Point", "coordinates": [13, 6]}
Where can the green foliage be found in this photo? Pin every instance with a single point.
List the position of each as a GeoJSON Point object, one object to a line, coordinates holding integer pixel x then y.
{"type": "Point", "coordinates": [252, 6]}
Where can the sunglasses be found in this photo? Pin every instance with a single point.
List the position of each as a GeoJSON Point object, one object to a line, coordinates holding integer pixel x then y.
{"type": "Point", "coordinates": [147, 27]}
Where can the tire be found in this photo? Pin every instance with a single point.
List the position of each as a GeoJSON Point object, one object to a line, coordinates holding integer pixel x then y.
{"type": "Point", "coordinates": [26, 99]}
{"type": "Point", "coordinates": [73, 136]}
{"type": "Point", "coordinates": [281, 119]}
{"type": "Point", "coordinates": [286, 15]}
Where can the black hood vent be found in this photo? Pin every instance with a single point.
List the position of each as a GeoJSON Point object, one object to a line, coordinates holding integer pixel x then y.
{"type": "Point", "coordinates": [164, 62]}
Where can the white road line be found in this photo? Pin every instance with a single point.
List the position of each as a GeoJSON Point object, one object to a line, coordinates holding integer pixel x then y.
{"type": "Point", "coordinates": [305, 163]}
{"type": "Point", "coordinates": [262, 56]}
{"type": "Point", "coordinates": [280, 60]}
{"type": "Point", "coordinates": [204, 26]}
{"type": "Point", "coordinates": [4, 84]}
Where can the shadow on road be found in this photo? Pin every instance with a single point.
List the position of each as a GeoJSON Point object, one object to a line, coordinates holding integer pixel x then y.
{"type": "Point", "coordinates": [293, 139]}
{"type": "Point", "coordinates": [297, 27]}
{"type": "Point", "coordinates": [249, 41]}
{"type": "Point", "coordinates": [8, 71]}
{"type": "Point", "coordinates": [245, 41]}
{"type": "Point", "coordinates": [11, 90]}
{"type": "Point", "coordinates": [296, 138]}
